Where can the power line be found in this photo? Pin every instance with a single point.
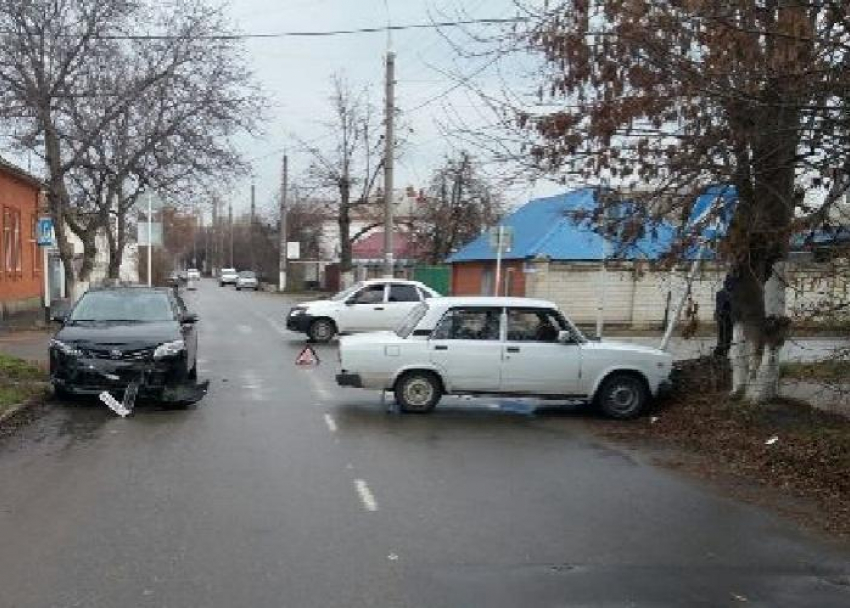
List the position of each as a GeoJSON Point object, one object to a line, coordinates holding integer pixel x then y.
{"type": "Point", "coordinates": [304, 34]}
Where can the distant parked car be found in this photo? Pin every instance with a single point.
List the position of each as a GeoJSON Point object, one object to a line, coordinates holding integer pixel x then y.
{"type": "Point", "coordinates": [228, 276]}
{"type": "Point", "coordinates": [377, 304]}
{"type": "Point", "coordinates": [194, 274]}
{"type": "Point", "coordinates": [247, 279]}
{"type": "Point", "coordinates": [513, 346]}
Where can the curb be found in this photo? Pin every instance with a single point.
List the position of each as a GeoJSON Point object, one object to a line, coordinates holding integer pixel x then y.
{"type": "Point", "coordinates": [19, 407]}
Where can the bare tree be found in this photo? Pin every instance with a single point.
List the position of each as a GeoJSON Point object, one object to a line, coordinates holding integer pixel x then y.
{"type": "Point", "coordinates": [175, 137]}
{"type": "Point", "coordinates": [458, 205]}
{"type": "Point", "coordinates": [59, 57]}
{"type": "Point", "coordinates": [677, 96]}
{"type": "Point", "coordinates": [348, 168]}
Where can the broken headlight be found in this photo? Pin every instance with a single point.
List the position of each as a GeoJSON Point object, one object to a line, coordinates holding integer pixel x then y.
{"type": "Point", "coordinates": [65, 349]}
{"type": "Point", "coordinates": [169, 349]}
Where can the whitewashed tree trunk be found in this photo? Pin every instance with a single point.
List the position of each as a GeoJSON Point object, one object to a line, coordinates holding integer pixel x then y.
{"type": "Point", "coordinates": [739, 356]}
{"type": "Point", "coordinates": [765, 383]}
{"type": "Point", "coordinates": [346, 279]}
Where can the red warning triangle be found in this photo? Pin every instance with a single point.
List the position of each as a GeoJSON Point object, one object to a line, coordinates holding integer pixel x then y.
{"type": "Point", "coordinates": [307, 357]}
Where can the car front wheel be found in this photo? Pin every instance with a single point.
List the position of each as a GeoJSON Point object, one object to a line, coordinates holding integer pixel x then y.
{"type": "Point", "coordinates": [622, 396]}
{"type": "Point", "coordinates": [418, 392]}
{"type": "Point", "coordinates": [322, 330]}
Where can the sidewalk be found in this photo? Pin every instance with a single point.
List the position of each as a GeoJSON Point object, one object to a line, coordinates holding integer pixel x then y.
{"type": "Point", "coordinates": [796, 349]}
{"type": "Point", "coordinates": [29, 345]}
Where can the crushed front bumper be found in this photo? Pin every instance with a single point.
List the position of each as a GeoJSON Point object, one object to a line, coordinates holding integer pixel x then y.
{"type": "Point", "coordinates": [90, 376]}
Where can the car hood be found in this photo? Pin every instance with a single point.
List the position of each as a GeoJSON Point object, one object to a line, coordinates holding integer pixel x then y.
{"type": "Point", "coordinates": [134, 335]}
{"type": "Point", "coordinates": [319, 305]}
{"type": "Point", "coordinates": [624, 347]}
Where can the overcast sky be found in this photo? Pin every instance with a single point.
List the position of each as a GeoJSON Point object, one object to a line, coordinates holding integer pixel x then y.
{"type": "Point", "coordinates": [295, 74]}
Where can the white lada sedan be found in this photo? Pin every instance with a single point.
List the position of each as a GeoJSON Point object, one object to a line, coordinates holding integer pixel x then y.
{"type": "Point", "coordinates": [501, 346]}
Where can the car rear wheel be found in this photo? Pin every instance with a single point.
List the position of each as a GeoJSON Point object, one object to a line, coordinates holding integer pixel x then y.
{"type": "Point", "coordinates": [322, 330]}
{"type": "Point", "coordinates": [418, 392]}
{"type": "Point", "coordinates": [622, 396]}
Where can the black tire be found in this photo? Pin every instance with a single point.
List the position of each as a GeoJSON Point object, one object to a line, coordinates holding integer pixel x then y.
{"type": "Point", "coordinates": [622, 396]}
{"type": "Point", "coordinates": [238, 288]}
{"type": "Point", "coordinates": [322, 331]}
{"type": "Point", "coordinates": [418, 392]}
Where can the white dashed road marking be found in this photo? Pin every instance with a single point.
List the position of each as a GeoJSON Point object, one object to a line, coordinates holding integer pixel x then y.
{"type": "Point", "coordinates": [366, 496]}
{"type": "Point", "coordinates": [329, 420]}
{"type": "Point", "coordinates": [245, 329]}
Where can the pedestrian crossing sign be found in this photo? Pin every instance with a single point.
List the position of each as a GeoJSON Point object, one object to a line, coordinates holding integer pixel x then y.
{"type": "Point", "coordinates": [307, 357]}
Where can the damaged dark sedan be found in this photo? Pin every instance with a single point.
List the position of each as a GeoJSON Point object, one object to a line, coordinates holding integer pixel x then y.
{"type": "Point", "coordinates": [118, 337]}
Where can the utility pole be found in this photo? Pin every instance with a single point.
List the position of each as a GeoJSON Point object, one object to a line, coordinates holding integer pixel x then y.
{"type": "Point", "coordinates": [282, 260]}
{"type": "Point", "coordinates": [230, 221]}
{"type": "Point", "coordinates": [150, 239]}
{"type": "Point", "coordinates": [251, 230]}
{"type": "Point", "coordinates": [253, 204]}
{"type": "Point", "coordinates": [194, 235]}
{"type": "Point", "coordinates": [389, 154]}
{"type": "Point", "coordinates": [215, 243]}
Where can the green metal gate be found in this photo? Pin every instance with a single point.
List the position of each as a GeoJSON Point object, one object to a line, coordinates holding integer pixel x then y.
{"type": "Point", "coordinates": [438, 278]}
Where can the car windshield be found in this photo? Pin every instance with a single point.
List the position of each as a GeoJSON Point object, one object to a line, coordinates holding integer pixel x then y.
{"type": "Point", "coordinates": [409, 323]}
{"type": "Point", "coordinates": [342, 295]}
{"type": "Point", "coordinates": [247, 274]}
{"type": "Point", "coordinates": [127, 305]}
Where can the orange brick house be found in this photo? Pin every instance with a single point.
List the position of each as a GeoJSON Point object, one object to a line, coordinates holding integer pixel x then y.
{"type": "Point", "coordinates": [21, 271]}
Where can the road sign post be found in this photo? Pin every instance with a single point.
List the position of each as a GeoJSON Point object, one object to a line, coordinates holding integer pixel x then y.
{"type": "Point", "coordinates": [501, 239]}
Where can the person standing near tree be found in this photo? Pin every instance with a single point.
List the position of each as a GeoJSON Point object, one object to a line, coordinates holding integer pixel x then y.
{"type": "Point", "coordinates": [723, 316]}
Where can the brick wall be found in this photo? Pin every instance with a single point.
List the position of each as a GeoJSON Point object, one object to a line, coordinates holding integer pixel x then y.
{"type": "Point", "coordinates": [21, 278]}
{"type": "Point", "coordinates": [467, 279]}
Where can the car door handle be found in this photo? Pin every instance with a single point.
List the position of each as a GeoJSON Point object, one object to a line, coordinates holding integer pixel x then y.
{"type": "Point", "coordinates": [379, 308]}
{"type": "Point", "coordinates": [513, 349]}
{"type": "Point", "coordinates": [441, 347]}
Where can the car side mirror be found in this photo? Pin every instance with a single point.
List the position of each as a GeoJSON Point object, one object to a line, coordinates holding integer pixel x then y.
{"type": "Point", "coordinates": [189, 318]}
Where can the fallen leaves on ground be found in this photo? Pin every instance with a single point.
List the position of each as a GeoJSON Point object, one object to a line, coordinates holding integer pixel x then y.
{"type": "Point", "coordinates": [786, 445]}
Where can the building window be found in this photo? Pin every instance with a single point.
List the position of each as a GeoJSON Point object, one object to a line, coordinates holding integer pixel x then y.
{"type": "Point", "coordinates": [12, 262]}
{"type": "Point", "coordinates": [6, 252]}
{"type": "Point", "coordinates": [36, 265]}
{"type": "Point", "coordinates": [18, 244]}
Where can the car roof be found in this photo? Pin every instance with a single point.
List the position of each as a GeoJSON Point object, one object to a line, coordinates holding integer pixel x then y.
{"type": "Point", "coordinates": [130, 287]}
{"type": "Point", "coordinates": [493, 301]}
{"type": "Point", "coordinates": [391, 280]}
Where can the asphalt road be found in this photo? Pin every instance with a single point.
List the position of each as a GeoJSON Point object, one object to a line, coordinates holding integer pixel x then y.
{"type": "Point", "coordinates": [281, 490]}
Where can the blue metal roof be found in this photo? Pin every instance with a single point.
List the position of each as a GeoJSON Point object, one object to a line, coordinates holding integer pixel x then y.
{"type": "Point", "coordinates": [549, 227]}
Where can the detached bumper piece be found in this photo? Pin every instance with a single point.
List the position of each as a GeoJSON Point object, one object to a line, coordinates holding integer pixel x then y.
{"type": "Point", "coordinates": [352, 380]}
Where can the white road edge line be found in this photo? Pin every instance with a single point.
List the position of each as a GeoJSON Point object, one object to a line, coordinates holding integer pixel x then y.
{"type": "Point", "coordinates": [366, 496]}
{"type": "Point", "coordinates": [329, 420]}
